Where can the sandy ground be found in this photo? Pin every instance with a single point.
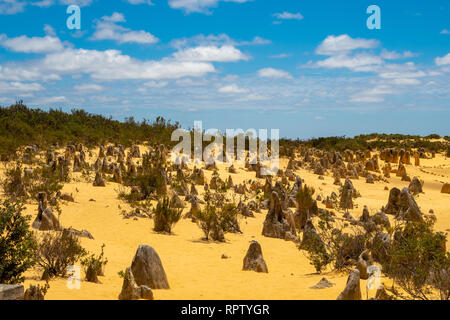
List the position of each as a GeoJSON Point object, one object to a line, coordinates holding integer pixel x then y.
{"type": "Point", "coordinates": [195, 269]}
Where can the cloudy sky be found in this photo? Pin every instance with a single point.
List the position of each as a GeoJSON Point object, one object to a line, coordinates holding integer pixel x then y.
{"type": "Point", "coordinates": [308, 68]}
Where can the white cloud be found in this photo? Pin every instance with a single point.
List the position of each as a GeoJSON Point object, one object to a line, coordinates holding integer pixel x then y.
{"type": "Point", "coordinates": [156, 84]}
{"type": "Point", "coordinates": [393, 55]}
{"type": "Point", "coordinates": [17, 86]}
{"type": "Point", "coordinates": [445, 31]}
{"type": "Point", "coordinates": [289, 16]}
{"type": "Point", "coordinates": [113, 65]}
{"type": "Point", "coordinates": [43, 3]}
{"type": "Point", "coordinates": [32, 45]}
{"type": "Point", "coordinates": [359, 62]}
{"type": "Point", "coordinates": [443, 61]}
{"type": "Point", "coordinates": [80, 3]}
{"type": "Point", "coordinates": [253, 97]}
{"type": "Point", "coordinates": [26, 73]}
{"type": "Point", "coordinates": [88, 87]}
{"type": "Point", "coordinates": [274, 73]}
{"type": "Point", "coordinates": [280, 56]}
{"type": "Point", "coordinates": [372, 95]}
{"type": "Point", "coordinates": [202, 6]}
{"type": "Point", "coordinates": [232, 88]}
{"type": "Point", "coordinates": [406, 81]}
{"type": "Point", "coordinates": [108, 29]}
{"type": "Point", "coordinates": [49, 100]}
{"type": "Point", "coordinates": [210, 53]}
{"type": "Point", "coordinates": [48, 29]}
{"type": "Point", "coordinates": [11, 6]}
{"type": "Point", "coordinates": [140, 2]}
{"type": "Point", "coordinates": [397, 75]}
{"type": "Point", "coordinates": [215, 40]}
{"type": "Point", "coordinates": [368, 99]}
{"type": "Point", "coordinates": [333, 45]}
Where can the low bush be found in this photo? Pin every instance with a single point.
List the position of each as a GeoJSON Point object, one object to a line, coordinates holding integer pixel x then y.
{"type": "Point", "coordinates": [165, 216]}
{"type": "Point", "coordinates": [418, 262]}
{"type": "Point", "coordinates": [17, 244]}
{"type": "Point", "coordinates": [57, 251]}
{"type": "Point", "coordinates": [94, 266]}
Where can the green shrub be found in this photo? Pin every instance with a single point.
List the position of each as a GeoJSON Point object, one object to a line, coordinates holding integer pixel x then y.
{"type": "Point", "coordinates": [304, 197]}
{"type": "Point", "coordinates": [332, 245]}
{"type": "Point", "coordinates": [219, 214]}
{"type": "Point", "coordinates": [165, 216]}
{"type": "Point", "coordinates": [150, 183]}
{"type": "Point", "coordinates": [17, 244]}
{"type": "Point", "coordinates": [57, 251]}
{"type": "Point", "coordinates": [45, 180]}
{"type": "Point", "coordinates": [227, 218]}
{"type": "Point", "coordinates": [94, 266]}
{"type": "Point", "coordinates": [207, 219]}
{"type": "Point", "coordinates": [36, 292]}
{"type": "Point", "coordinates": [13, 184]}
{"type": "Point", "coordinates": [418, 262]}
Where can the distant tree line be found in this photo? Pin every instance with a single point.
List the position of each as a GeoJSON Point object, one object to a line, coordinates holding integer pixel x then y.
{"type": "Point", "coordinates": [20, 126]}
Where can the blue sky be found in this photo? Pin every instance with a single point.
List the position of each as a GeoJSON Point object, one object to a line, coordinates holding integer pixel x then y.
{"type": "Point", "coordinates": [308, 68]}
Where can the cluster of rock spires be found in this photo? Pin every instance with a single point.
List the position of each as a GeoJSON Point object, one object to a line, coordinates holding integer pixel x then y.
{"type": "Point", "coordinates": [147, 273]}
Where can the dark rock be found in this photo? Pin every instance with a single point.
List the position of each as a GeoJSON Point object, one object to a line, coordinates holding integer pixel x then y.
{"type": "Point", "coordinates": [323, 284]}
{"type": "Point", "coordinates": [446, 188]}
{"type": "Point", "coordinates": [254, 260]}
{"type": "Point", "coordinates": [348, 192]}
{"type": "Point", "coordinates": [11, 292]}
{"type": "Point", "coordinates": [364, 261]}
{"type": "Point", "coordinates": [352, 289]}
{"type": "Point", "coordinates": [276, 225]}
{"type": "Point", "coordinates": [99, 181]}
{"type": "Point", "coordinates": [415, 187]}
{"type": "Point", "coordinates": [131, 291]}
{"type": "Point", "coordinates": [147, 268]}
{"type": "Point", "coordinates": [83, 233]}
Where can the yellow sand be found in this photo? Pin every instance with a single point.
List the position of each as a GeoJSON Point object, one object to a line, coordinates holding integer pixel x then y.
{"type": "Point", "coordinates": [195, 269]}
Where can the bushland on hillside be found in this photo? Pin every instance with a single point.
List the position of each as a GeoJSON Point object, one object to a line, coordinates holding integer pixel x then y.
{"type": "Point", "coordinates": [20, 126]}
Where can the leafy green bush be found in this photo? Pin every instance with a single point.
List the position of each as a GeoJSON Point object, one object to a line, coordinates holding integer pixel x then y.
{"type": "Point", "coordinates": [57, 251]}
{"type": "Point", "coordinates": [207, 219]}
{"type": "Point", "coordinates": [218, 216]}
{"type": "Point", "coordinates": [94, 265]}
{"type": "Point", "coordinates": [418, 262]}
{"type": "Point", "coordinates": [165, 216]}
{"type": "Point", "coordinates": [13, 184]}
{"type": "Point", "coordinates": [45, 180]}
{"type": "Point", "coordinates": [150, 182]}
{"type": "Point", "coordinates": [36, 292]}
{"type": "Point", "coordinates": [332, 245]}
{"type": "Point", "coordinates": [17, 244]}
{"type": "Point", "coordinates": [304, 197]}
{"type": "Point", "coordinates": [41, 179]}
